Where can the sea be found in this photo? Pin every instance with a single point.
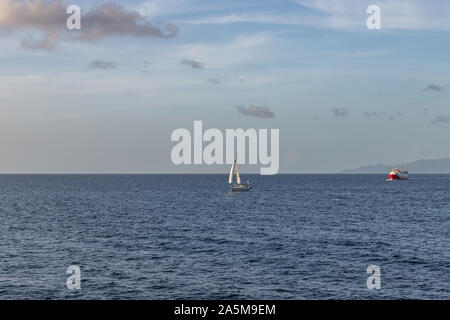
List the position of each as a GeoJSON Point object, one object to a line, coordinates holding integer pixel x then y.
{"type": "Point", "coordinates": [188, 237]}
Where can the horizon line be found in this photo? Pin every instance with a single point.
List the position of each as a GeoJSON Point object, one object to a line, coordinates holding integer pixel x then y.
{"type": "Point", "coordinates": [166, 173]}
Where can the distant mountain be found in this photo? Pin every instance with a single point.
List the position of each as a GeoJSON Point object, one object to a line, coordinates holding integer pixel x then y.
{"type": "Point", "coordinates": [438, 166]}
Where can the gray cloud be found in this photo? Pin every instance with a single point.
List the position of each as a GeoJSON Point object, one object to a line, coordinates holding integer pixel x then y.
{"type": "Point", "coordinates": [104, 65]}
{"type": "Point", "coordinates": [193, 64]}
{"type": "Point", "coordinates": [371, 114]}
{"type": "Point", "coordinates": [394, 116]}
{"type": "Point", "coordinates": [441, 119]}
{"type": "Point", "coordinates": [434, 87]}
{"type": "Point", "coordinates": [111, 19]}
{"type": "Point", "coordinates": [145, 66]}
{"type": "Point", "coordinates": [256, 111]}
{"type": "Point", "coordinates": [340, 112]}
{"type": "Point", "coordinates": [106, 20]}
{"type": "Point", "coordinates": [213, 81]}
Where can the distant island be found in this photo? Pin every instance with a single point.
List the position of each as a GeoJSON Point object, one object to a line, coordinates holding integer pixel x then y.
{"type": "Point", "coordinates": [436, 166]}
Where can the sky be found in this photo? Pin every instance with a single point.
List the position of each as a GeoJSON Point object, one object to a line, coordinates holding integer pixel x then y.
{"type": "Point", "coordinates": [106, 98]}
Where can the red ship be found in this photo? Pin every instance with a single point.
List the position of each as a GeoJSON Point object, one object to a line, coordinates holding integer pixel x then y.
{"type": "Point", "coordinates": [398, 174]}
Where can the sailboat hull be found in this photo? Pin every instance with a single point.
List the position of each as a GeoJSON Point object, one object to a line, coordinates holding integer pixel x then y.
{"type": "Point", "coordinates": [241, 187]}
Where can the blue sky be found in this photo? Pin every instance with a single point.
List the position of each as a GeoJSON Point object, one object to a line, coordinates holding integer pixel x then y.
{"type": "Point", "coordinates": [343, 96]}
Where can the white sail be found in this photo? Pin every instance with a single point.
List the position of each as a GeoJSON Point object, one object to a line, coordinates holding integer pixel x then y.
{"type": "Point", "coordinates": [230, 180]}
{"type": "Point", "coordinates": [238, 186]}
{"type": "Point", "coordinates": [238, 177]}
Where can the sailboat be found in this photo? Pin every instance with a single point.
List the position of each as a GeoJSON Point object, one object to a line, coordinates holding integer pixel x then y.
{"type": "Point", "coordinates": [238, 186]}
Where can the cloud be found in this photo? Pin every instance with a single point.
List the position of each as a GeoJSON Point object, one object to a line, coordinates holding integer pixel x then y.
{"type": "Point", "coordinates": [193, 64]}
{"type": "Point", "coordinates": [48, 42]}
{"type": "Point", "coordinates": [345, 14]}
{"type": "Point", "coordinates": [237, 51]}
{"type": "Point", "coordinates": [213, 81]}
{"type": "Point", "coordinates": [111, 19]}
{"type": "Point", "coordinates": [106, 20]}
{"type": "Point", "coordinates": [441, 119]}
{"type": "Point", "coordinates": [395, 14]}
{"type": "Point", "coordinates": [33, 14]}
{"type": "Point", "coordinates": [104, 65]}
{"type": "Point", "coordinates": [371, 114]}
{"type": "Point", "coordinates": [256, 111]}
{"type": "Point", "coordinates": [434, 87]}
{"type": "Point", "coordinates": [145, 66]}
{"type": "Point", "coordinates": [158, 8]}
{"type": "Point", "coordinates": [268, 18]}
{"type": "Point", "coordinates": [340, 112]}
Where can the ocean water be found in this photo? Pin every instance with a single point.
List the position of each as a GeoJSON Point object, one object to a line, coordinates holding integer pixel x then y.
{"type": "Point", "coordinates": [187, 237]}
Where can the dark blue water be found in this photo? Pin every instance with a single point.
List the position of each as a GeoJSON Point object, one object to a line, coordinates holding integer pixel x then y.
{"type": "Point", "coordinates": [187, 237]}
